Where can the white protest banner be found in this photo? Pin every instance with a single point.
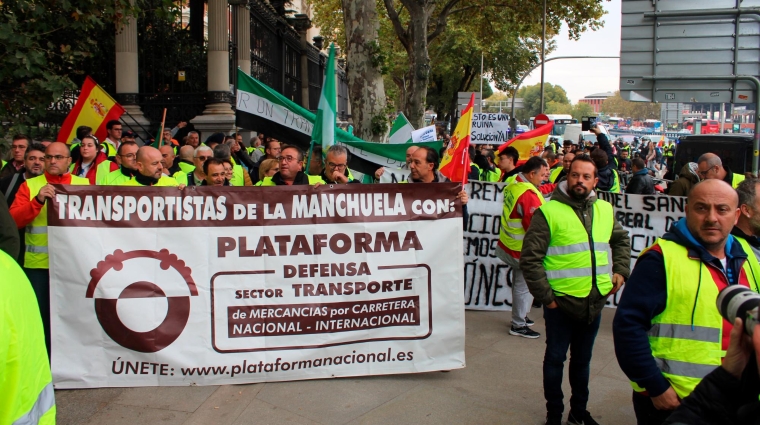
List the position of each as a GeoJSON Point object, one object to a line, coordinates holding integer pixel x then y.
{"type": "Point", "coordinates": [226, 286]}
{"type": "Point", "coordinates": [425, 134]}
{"type": "Point", "coordinates": [487, 280]}
{"type": "Point", "coordinates": [489, 128]}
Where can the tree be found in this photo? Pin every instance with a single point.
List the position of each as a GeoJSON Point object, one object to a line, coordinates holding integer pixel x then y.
{"type": "Point", "coordinates": [531, 96]}
{"type": "Point", "coordinates": [418, 22]}
{"type": "Point", "coordinates": [42, 45]}
{"type": "Point", "coordinates": [617, 106]}
{"type": "Point", "coordinates": [581, 109]}
{"type": "Point", "coordinates": [496, 100]}
{"type": "Point", "coordinates": [365, 80]}
{"type": "Point", "coordinates": [456, 60]}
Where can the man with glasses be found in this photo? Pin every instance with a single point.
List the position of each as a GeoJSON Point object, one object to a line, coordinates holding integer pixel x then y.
{"type": "Point", "coordinates": [291, 170]}
{"type": "Point", "coordinates": [18, 149]}
{"type": "Point", "coordinates": [336, 166]}
{"type": "Point", "coordinates": [197, 176]}
{"type": "Point", "coordinates": [29, 210]}
{"type": "Point", "coordinates": [709, 166]}
{"type": "Point", "coordinates": [126, 158]}
{"type": "Point", "coordinates": [113, 140]}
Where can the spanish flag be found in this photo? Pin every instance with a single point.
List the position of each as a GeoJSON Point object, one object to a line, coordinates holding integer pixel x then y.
{"type": "Point", "coordinates": [530, 143]}
{"type": "Point", "coordinates": [94, 108]}
{"type": "Point", "coordinates": [456, 159]}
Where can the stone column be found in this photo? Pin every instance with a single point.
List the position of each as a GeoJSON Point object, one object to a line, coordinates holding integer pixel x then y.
{"type": "Point", "coordinates": [127, 86]}
{"type": "Point", "coordinates": [243, 31]}
{"type": "Point", "coordinates": [302, 25]}
{"type": "Point", "coordinates": [218, 115]}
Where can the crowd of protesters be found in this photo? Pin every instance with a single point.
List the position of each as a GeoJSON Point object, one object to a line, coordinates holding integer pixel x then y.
{"type": "Point", "coordinates": [566, 249]}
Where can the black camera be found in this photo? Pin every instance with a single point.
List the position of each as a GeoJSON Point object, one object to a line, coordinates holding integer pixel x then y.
{"type": "Point", "coordinates": [587, 123]}
{"type": "Point", "coordinates": [739, 301]}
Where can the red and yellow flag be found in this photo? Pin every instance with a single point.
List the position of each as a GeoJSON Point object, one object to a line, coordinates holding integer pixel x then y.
{"type": "Point", "coordinates": [530, 143]}
{"type": "Point", "coordinates": [94, 108]}
{"type": "Point", "coordinates": [455, 163]}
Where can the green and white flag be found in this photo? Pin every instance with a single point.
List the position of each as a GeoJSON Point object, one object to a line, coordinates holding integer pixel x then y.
{"type": "Point", "coordinates": [401, 132]}
{"type": "Point", "coordinates": [323, 133]}
{"type": "Point", "coordinates": [261, 108]}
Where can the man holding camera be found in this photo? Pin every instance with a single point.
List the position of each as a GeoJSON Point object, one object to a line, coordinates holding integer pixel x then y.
{"type": "Point", "coordinates": [668, 334]}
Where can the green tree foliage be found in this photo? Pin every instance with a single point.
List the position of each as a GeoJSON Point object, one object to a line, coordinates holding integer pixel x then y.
{"type": "Point", "coordinates": [458, 32]}
{"type": "Point", "coordinates": [42, 46]}
{"type": "Point", "coordinates": [495, 100]}
{"type": "Point", "coordinates": [582, 110]}
{"type": "Point", "coordinates": [617, 106]}
{"type": "Point", "coordinates": [531, 96]}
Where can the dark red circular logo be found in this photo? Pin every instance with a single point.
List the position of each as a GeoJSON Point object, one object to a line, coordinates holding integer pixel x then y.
{"type": "Point", "coordinates": [178, 307]}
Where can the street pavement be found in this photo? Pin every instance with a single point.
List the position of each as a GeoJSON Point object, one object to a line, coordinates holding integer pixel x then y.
{"type": "Point", "coordinates": [502, 384]}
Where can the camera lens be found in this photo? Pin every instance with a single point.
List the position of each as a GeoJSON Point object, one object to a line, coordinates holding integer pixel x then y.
{"type": "Point", "coordinates": [736, 301]}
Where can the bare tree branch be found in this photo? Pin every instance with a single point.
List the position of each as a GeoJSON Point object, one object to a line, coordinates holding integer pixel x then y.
{"type": "Point", "coordinates": [442, 17]}
{"type": "Point", "coordinates": [401, 33]}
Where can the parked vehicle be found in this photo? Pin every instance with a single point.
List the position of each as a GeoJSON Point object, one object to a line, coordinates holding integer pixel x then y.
{"type": "Point", "coordinates": [735, 150]}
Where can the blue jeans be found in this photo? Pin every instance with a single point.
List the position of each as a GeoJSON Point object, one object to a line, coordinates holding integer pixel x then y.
{"type": "Point", "coordinates": [563, 333]}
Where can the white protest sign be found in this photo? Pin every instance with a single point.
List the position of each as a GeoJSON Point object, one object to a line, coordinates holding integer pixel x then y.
{"type": "Point", "coordinates": [489, 128]}
{"type": "Point", "coordinates": [425, 134]}
{"type": "Point", "coordinates": [218, 286]}
{"type": "Point", "coordinates": [487, 284]}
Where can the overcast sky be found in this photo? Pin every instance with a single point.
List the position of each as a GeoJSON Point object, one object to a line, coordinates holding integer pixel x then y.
{"type": "Point", "coordinates": [582, 77]}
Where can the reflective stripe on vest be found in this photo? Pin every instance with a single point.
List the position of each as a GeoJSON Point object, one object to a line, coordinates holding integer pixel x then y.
{"type": "Point", "coordinates": [26, 389]}
{"type": "Point", "coordinates": [512, 233]}
{"type": "Point", "coordinates": [45, 401]}
{"type": "Point", "coordinates": [36, 238]}
{"type": "Point", "coordinates": [615, 182]}
{"type": "Point", "coordinates": [686, 338]}
{"type": "Point", "coordinates": [568, 261]}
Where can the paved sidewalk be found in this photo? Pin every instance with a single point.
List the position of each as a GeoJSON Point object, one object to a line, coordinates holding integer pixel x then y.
{"type": "Point", "coordinates": [502, 384]}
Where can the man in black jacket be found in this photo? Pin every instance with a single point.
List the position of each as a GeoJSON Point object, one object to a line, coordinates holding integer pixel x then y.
{"type": "Point", "coordinates": [641, 183]}
{"type": "Point", "coordinates": [607, 172]}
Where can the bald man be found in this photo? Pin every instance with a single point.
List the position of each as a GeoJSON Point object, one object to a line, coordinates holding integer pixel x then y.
{"type": "Point", "coordinates": [150, 170]}
{"type": "Point", "coordinates": [185, 163]}
{"type": "Point", "coordinates": [668, 333]}
{"type": "Point", "coordinates": [168, 160]}
{"type": "Point", "coordinates": [709, 166]}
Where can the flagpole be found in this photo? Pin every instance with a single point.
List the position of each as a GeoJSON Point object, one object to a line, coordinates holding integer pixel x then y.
{"type": "Point", "coordinates": [308, 157]}
{"type": "Point", "coordinates": [161, 133]}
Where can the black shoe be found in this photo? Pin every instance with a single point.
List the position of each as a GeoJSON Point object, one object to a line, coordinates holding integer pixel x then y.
{"type": "Point", "coordinates": [537, 304]}
{"type": "Point", "coordinates": [529, 322]}
{"type": "Point", "coordinates": [553, 420]}
{"type": "Point", "coordinates": [524, 332]}
{"type": "Point", "coordinates": [581, 419]}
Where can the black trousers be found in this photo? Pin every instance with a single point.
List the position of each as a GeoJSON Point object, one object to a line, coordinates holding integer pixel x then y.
{"type": "Point", "coordinates": [40, 279]}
